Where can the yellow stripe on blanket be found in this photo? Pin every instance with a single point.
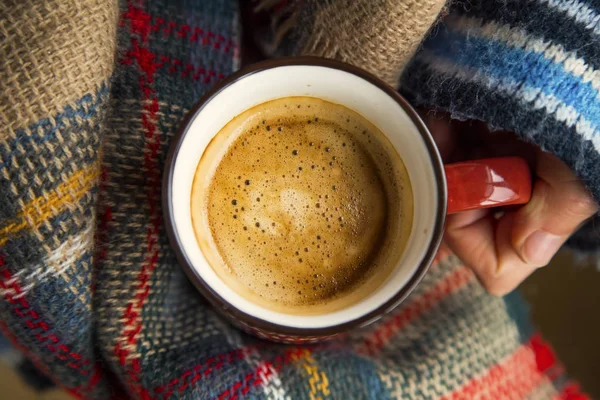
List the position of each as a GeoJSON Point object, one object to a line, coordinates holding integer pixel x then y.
{"type": "Point", "coordinates": [43, 207]}
{"type": "Point", "coordinates": [317, 379]}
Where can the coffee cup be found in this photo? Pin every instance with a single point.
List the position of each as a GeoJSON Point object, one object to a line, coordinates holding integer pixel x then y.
{"type": "Point", "coordinates": [437, 190]}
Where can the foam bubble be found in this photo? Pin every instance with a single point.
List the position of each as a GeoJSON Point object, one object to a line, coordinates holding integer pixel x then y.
{"type": "Point", "coordinates": [301, 209]}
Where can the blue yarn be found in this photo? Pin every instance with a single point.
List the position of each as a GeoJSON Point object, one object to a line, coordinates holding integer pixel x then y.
{"type": "Point", "coordinates": [85, 108]}
{"type": "Point", "coordinates": [500, 61]}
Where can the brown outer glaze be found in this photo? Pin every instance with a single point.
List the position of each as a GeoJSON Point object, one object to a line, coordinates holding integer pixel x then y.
{"type": "Point", "coordinates": [271, 330]}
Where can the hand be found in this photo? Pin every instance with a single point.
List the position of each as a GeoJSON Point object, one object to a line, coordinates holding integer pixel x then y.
{"type": "Point", "coordinates": [505, 248]}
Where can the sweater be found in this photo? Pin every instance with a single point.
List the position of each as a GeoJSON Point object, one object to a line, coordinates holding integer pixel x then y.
{"type": "Point", "coordinates": [92, 91]}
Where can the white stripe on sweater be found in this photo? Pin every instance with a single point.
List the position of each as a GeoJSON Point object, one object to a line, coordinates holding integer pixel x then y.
{"type": "Point", "coordinates": [533, 97]}
{"type": "Point", "coordinates": [520, 39]}
{"type": "Point", "coordinates": [577, 10]}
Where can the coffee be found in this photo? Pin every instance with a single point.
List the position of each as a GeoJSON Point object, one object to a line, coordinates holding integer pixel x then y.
{"type": "Point", "coordinates": [301, 205]}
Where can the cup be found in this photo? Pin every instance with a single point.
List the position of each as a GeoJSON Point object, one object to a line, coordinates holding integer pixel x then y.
{"type": "Point", "coordinates": [437, 189]}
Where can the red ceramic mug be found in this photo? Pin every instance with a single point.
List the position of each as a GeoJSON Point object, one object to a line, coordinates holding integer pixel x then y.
{"type": "Point", "coordinates": [437, 189]}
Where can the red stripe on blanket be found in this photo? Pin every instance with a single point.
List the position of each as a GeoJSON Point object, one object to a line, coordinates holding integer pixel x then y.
{"type": "Point", "coordinates": [261, 374]}
{"type": "Point", "coordinates": [174, 66]}
{"type": "Point", "coordinates": [514, 377]}
{"type": "Point", "coordinates": [572, 391]}
{"type": "Point", "coordinates": [141, 25]}
{"type": "Point", "coordinates": [26, 352]}
{"type": "Point", "coordinates": [545, 358]}
{"type": "Point", "coordinates": [38, 364]}
{"type": "Point", "coordinates": [33, 321]}
{"type": "Point", "coordinates": [203, 370]}
{"type": "Point", "coordinates": [146, 62]}
{"type": "Point", "coordinates": [144, 24]}
{"type": "Point", "coordinates": [386, 330]}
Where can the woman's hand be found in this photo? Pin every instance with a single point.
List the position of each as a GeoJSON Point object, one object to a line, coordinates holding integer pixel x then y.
{"type": "Point", "coordinates": [504, 249]}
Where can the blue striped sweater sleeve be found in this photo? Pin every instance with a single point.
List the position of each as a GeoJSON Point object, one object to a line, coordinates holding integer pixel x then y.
{"type": "Point", "coordinates": [528, 66]}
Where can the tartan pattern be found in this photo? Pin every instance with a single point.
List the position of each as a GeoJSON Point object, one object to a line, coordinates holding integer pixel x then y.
{"type": "Point", "coordinates": [92, 294]}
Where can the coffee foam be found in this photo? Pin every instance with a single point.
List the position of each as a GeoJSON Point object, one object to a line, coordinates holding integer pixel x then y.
{"type": "Point", "coordinates": [297, 203]}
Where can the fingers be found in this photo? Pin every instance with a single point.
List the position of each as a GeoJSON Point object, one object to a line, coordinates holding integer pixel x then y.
{"type": "Point", "coordinates": [485, 245]}
{"type": "Point", "coordinates": [503, 252]}
{"type": "Point", "coordinates": [560, 203]}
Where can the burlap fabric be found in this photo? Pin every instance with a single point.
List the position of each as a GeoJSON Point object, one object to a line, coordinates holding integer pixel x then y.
{"type": "Point", "coordinates": [363, 33]}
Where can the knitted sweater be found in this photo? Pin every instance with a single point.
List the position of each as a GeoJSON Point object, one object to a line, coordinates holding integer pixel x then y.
{"type": "Point", "coordinates": [91, 92]}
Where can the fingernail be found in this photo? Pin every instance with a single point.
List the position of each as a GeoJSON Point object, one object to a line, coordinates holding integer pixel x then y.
{"type": "Point", "coordinates": [540, 247]}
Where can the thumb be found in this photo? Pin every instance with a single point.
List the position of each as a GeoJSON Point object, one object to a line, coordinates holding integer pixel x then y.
{"type": "Point", "coordinates": [560, 203]}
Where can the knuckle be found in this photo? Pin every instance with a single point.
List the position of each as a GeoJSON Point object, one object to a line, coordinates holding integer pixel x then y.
{"type": "Point", "coordinates": [580, 204]}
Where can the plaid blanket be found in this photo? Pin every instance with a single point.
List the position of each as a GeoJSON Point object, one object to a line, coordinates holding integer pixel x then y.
{"type": "Point", "coordinates": [91, 93]}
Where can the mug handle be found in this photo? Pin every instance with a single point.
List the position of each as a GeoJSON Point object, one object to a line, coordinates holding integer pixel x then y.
{"type": "Point", "coordinates": [491, 182]}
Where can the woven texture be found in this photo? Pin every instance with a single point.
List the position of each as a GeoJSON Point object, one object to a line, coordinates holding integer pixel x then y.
{"type": "Point", "coordinates": [58, 52]}
{"type": "Point", "coordinates": [363, 33]}
{"type": "Point", "coordinates": [91, 292]}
